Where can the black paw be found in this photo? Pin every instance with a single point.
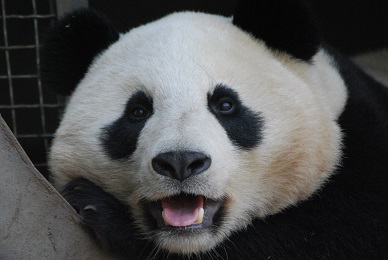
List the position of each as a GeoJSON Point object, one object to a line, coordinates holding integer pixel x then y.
{"type": "Point", "coordinates": [109, 220]}
{"type": "Point", "coordinates": [99, 210]}
{"type": "Point", "coordinates": [88, 199]}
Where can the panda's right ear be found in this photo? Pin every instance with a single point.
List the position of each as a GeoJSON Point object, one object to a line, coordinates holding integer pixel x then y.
{"type": "Point", "coordinates": [70, 47]}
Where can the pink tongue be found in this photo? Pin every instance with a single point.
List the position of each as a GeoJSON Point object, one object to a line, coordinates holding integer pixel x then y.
{"type": "Point", "coordinates": [181, 211]}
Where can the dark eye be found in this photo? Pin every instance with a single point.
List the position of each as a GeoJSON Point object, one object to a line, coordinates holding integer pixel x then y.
{"type": "Point", "coordinates": [225, 106]}
{"type": "Point", "coordinates": [139, 113]}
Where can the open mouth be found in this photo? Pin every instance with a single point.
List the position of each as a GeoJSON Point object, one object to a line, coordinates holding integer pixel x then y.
{"type": "Point", "coordinates": [184, 211]}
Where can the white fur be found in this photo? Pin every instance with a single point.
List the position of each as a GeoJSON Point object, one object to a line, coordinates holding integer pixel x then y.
{"type": "Point", "coordinates": [177, 60]}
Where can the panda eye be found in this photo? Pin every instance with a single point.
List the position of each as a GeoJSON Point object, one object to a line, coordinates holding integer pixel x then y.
{"type": "Point", "coordinates": [225, 106]}
{"type": "Point", "coordinates": [139, 113]}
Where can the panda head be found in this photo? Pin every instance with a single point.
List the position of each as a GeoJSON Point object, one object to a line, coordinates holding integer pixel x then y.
{"type": "Point", "coordinates": [199, 123]}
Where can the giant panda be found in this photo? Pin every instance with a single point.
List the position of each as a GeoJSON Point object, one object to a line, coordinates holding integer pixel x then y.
{"type": "Point", "coordinates": [198, 136]}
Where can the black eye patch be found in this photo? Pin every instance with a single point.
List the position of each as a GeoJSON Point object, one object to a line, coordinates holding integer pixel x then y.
{"type": "Point", "coordinates": [119, 139]}
{"type": "Point", "coordinates": [242, 125]}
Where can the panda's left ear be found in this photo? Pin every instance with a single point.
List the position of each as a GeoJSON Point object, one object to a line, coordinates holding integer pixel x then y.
{"type": "Point", "coordinates": [70, 47]}
{"type": "Point", "coordinates": [284, 25]}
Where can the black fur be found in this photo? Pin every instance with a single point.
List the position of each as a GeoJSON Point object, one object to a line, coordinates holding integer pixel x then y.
{"type": "Point", "coordinates": [241, 124]}
{"type": "Point", "coordinates": [107, 219]}
{"type": "Point", "coordinates": [287, 26]}
{"type": "Point", "coordinates": [70, 47]}
{"type": "Point", "coordinates": [120, 138]}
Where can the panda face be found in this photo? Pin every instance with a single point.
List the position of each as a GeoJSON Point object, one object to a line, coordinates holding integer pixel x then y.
{"type": "Point", "coordinates": [200, 128]}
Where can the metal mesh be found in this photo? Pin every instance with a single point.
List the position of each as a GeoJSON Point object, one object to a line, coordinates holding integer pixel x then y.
{"type": "Point", "coordinates": [30, 110]}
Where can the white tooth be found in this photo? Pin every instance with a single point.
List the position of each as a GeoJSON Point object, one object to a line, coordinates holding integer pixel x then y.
{"type": "Point", "coordinates": [200, 216]}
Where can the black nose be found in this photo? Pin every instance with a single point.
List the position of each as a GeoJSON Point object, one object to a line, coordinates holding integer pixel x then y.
{"type": "Point", "coordinates": [180, 165]}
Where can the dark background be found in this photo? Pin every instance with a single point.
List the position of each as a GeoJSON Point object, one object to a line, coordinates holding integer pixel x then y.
{"type": "Point", "coordinates": [352, 26]}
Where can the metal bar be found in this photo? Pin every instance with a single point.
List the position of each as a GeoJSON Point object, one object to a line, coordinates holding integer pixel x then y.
{"type": "Point", "coordinates": [41, 101]}
{"type": "Point", "coordinates": [8, 65]}
{"type": "Point", "coordinates": [30, 106]}
{"type": "Point", "coordinates": [14, 47]}
{"type": "Point", "coordinates": [32, 76]}
{"type": "Point", "coordinates": [35, 16]}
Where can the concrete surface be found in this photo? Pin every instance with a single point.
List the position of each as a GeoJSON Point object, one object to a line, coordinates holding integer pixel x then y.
{"type": "Point", "coordinates": [35, 221]}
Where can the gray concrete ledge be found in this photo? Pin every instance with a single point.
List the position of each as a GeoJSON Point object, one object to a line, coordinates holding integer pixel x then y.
{"type": "Point", "coordinates": [35, 221]}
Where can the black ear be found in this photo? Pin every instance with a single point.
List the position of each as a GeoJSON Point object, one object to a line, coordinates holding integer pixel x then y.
{"type": "Point", "coordinates": [284, 25]}
{"type": "Point", "coordinates": [70, 46]}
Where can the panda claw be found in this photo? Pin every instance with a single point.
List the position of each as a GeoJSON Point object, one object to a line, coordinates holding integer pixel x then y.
{"type": "Point", "coordinates": [90, 207]}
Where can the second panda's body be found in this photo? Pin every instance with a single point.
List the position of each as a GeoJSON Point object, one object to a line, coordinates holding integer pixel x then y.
{"type": "Point", "coordinates": [190, 137]}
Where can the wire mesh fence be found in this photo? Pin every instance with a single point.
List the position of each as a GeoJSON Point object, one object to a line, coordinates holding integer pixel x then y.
{"type": "Point", "coordinates": [31, 111]}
